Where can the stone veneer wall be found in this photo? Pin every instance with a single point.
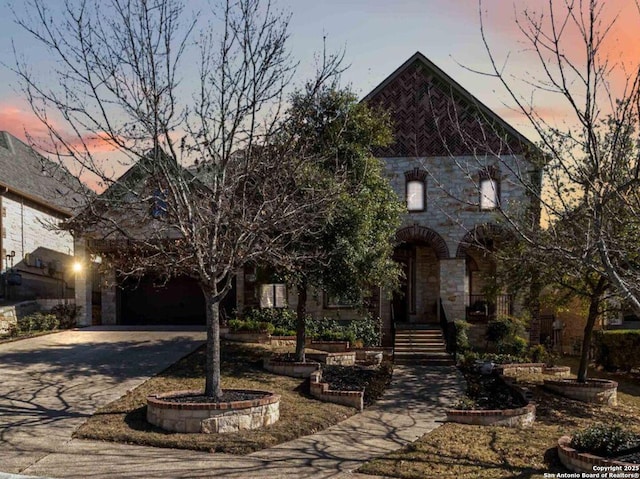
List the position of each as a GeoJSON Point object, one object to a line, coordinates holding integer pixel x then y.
{"type": "Point", "coordinates": [599, 391]}
{"type": "Point", "coordinates": [210, 418]}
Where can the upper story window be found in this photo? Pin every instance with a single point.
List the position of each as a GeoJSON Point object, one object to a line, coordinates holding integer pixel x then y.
{"type": "Point", "coordinates": [416, 189]}
{"type": "Point", "coordinates": [489, 184]}
{"type": "Point", "coordinates": [159, 204]}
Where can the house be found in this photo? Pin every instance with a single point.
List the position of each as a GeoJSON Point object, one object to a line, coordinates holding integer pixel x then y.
{"type": "Point", "coordinates": [452, 161]}
{"type": "Point", "coordinates": [35, 196]}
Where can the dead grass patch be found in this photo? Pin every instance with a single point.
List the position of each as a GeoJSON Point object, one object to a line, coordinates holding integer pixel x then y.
{"type": "Point", "coordinates": [457, 450]}
{"type": "Point", "coordinates": [124, 420]}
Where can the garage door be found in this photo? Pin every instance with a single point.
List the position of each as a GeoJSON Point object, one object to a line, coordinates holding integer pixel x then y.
{"type": "Point", "coordinates": [178, 302]}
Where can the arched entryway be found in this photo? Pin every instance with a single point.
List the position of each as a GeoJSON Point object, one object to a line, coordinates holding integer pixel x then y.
{"type": "Point", "coordinates": [477, 249]}
{"type": "Point", "coordinates": [419, 252]}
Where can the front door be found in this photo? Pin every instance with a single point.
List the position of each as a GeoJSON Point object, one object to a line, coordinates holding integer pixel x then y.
{"type": "Point", "coordinates": [404, 299]}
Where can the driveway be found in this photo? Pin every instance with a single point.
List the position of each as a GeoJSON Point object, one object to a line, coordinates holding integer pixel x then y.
{"type": "Point", "coordinates": [49, 385]}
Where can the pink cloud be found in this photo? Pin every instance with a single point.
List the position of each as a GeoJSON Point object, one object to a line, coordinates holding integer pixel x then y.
{"type": "Point", "coordinates": [17, 121]}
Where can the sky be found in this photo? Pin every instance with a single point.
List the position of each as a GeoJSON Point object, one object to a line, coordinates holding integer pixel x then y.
{"type": "Point", "coordinates": [378, 36]}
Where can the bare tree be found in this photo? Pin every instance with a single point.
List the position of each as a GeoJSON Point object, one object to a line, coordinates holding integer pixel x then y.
{"type": "Point", "coordinates": [589, 219]}
{"type": "Point", "coordinates": [196, 112]}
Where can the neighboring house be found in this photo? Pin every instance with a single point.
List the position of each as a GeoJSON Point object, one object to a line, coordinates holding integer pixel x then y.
{"type": "Point", "coordinates": [452, 162]}
{"type": "Point", "coordinates": [36, 257]}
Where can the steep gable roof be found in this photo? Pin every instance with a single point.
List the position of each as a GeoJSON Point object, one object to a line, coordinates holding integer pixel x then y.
{"type": "Point", "coordinates": [433, 115]}
{"type": "Point", "coordinates": [26, 173]}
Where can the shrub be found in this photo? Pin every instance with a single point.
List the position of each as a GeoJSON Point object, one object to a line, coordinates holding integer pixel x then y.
{"type": "Point", "coordinates": [515, 346]}
{"type": "Point", "coordinates": [499, 329]}
{"type": "Point", "coordinates": [538, 354]}
{"type": "Point", "coordinates": [250, 326]}
{"type": "Point", "coordinates": [604, 440]}
{"type": "Point", "coordinates": [284, 319]}
{"type": "Point", "coordinates": [67, 315]}
{"type": "Point", "coordinates": [38, 322]}
{"type": "Point", "coordinates": [368, 330]}
{"type": "Point", "coordinates": [619, 349]}
{"type": "Point", "coordinates": [462, 337]}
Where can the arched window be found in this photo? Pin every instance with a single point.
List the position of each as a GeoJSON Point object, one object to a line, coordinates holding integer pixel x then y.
{"type": "Point", "coordinates": [416, 190]}
{"type": "Point", "coordinates": [489, 183]}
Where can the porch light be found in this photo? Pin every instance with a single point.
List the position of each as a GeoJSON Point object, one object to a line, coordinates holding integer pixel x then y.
{"type": "Point", "coordinates": [77, 267]}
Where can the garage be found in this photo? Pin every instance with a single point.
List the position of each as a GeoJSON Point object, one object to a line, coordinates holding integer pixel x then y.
{"type": "Point", "coordinates": [149, 302]}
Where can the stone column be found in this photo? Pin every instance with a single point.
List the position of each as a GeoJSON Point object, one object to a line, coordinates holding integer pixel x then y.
{"type": "Point", "coordinates": [108, 291]}
{"type": "Point", "coordinates": [454, 289]}
{"type": "Point", "coordinates": [83, 281]}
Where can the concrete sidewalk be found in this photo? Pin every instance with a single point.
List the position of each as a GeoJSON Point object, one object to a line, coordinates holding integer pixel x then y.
{"type": "Point", "coordinates": [45, 401]}
{"type": "Point", "coordinates": [413, 406]}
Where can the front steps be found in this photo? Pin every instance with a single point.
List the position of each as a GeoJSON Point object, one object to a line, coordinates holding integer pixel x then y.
{"type": "Point", "coordinates": [421, 344]}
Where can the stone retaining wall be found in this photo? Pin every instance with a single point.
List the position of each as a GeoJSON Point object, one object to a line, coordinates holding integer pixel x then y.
{"type": "Point", "coordinates": [290, 368]}
{"type": "Point", "coordinates": [599, 391]}
{"type": "Point", "coordinates": [209, 418]}
{"type": "Point", "coordinates": [558, 371]}
{"type": "Point", "coordinates": [334, 359]}
{"type": "Point", "coordinates": [516, 368]}
{"type": "Point", "coordinates": [321, 391]}
{"type": "Point", "coordinates": [330, 346]}
{"type": "Point", "coordinates": [582, 462]}
{"type": "Point", "coordinates": [247, 337]}
{"type": "Point", "coordinates": [9, 314]}
{"type": "Point", "coordinates": [520, 417]}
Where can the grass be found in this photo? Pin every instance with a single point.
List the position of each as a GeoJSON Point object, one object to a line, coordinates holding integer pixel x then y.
{"type": "Point", "coordinates": [124, 420]}
{"type": "Point", "coordinates": [457, 450]}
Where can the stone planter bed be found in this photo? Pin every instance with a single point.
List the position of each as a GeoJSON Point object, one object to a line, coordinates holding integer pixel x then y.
{"type": "Point", "coordinates": [491, 390]}
{"type": "Point", "coordinates": [557, 371]}
{"type": "Point", "coordinates": [583, 462]}
{"type": "Point", "coordinates": [600, 391]}
{"type": "Point", "coordinates": [333, 359]}
{"type": "Point", "coordinates": [520, 417]}
{"type": "Point", "coordinates": [248, 337]}
{"type": "Point", "coordinates": [293, 369]}
{"type": "Point", "coordinates": [533, 368]}
{"type": "Point", "coordinates": [169, 413]}
{"type": "Point", "coordinates": [330, 346]}
{"type": "Point", "coordinates": [320, 390]}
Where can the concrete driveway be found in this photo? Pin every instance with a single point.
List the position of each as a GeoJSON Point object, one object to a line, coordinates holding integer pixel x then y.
{"type": "Point", "coordinates": [49, 385]}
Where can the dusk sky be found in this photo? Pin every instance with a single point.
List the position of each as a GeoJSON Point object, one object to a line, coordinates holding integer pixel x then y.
{"type": "Point", "coordinates": [378, 35]}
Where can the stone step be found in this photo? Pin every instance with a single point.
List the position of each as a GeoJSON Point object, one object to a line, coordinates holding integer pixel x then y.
{"type": "Point", "coordinates": [426, 361]}
{"type": "Point", "coordinates": [440, 349]}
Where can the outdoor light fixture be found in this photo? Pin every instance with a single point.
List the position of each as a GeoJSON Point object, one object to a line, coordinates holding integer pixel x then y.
{"type": "Point", "coordinates": [77, 267]}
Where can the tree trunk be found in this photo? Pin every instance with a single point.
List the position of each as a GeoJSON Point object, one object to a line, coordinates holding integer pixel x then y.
{"type": "Point", "coordinates": [212, 386]}
{"type": "Point", "coordinates": [594, 306]}
{"type": "Point", "coordinates": [534, 309]}
{"type": "Point", "coordinates": [301, 327]}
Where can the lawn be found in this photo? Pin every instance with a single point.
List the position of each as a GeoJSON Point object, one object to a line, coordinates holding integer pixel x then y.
{"type": "Point", "coordinates": [457, 450]}
{"type": "Point", "coordinates": [124, 420]}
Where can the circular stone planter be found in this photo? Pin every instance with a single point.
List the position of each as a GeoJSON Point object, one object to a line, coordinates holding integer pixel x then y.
{"type": "Point", "coordinates": [212, 417]}
{"type": "Point", "coordinates": [557, 371]}
{"type": "Point", "coordinates": [599, 391]}
{"type": "Point", "coordinates": [293, 369]}
{"type": "Point", "coordinates": [520, 417]}
{"type": "Point", "coordinates": [583, 462]}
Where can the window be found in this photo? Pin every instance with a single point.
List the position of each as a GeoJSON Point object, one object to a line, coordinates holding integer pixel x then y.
{"type": "Point", "coordinates": [273, 295]}
{"type": "Point", "coordinates": [489, 185]}
{"type": "Point", "coordinates": [159, 205]}
{"type": "Point", "coordinates": [488, 194]}
{"type": "Point", "coordinates": [415, 188]}
{"type": "Point", "coordinates": [336, 301]}
{"type": "Point", "coordinates": [415, 195]}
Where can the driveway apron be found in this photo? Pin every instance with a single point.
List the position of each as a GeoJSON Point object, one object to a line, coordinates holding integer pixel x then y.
{"type": "Point", "coordinates": [49, 385]}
